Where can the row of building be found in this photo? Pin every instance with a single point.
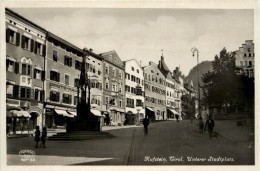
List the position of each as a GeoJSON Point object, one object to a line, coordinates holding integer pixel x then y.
{"type": "Point", "coordinates": [43, 70]}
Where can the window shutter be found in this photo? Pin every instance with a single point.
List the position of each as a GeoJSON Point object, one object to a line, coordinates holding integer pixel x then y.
{"type": "Point", "coordinates": [43, 75]}
{"type": "Point", "coordinates": [16, 90]}
{"type": "Point", "coordinates": [35, 46]}
{"type": "Point", "coordinates": [23, 39]}
{"type": "Point", "coordinates": [42, 95]}
{"type": "Point", "coordinates": [58, 96]}
{"type": "Point", "coordinates": [32, 44]}
{"type": "Point", "coordinates": [70, 99]}
{"type": "Point", "coordinates": [44, 50]}
{"type": "Point", "coordinates": [34, 73]}
{"type": "Point", "coordinates": [7, 35]}
{"type": "Point", "coordinates": [17, 39]}
{"type": "Point", "coordinates": [16, 70]}
{"type": "Point", "coordinates": [58, 77]}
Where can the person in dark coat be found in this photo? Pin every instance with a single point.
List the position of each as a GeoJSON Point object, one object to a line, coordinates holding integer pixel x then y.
{"type": "Point", "coordinates": [37, 136]}
{"type": "Point", "coordinates": [210, 125]}
{"type": "Point", "coordinates": [44, 135]}
{"type": "Point", "coordinates": [146, 123]}
{"type": "Point", "coordinates": [201, 125]}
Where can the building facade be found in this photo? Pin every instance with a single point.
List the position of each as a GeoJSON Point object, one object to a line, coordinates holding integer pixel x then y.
{"type": "Point", "coordinates": [62, 66]}
{"type": "Point", "coordinates": [170, 89]}
{"type": "Point", "coordinates": [178, 89]}
{"type": "Point", "coordinates": [25, 52]}
{"type": "Point", "coordinates": [155, 94]}
{"type": "Point", "coordinates": [113, 102]}
{"type": "Point", "coordinates": [245, 58]}
{"type": "Point", "coordinates": [134, 91]}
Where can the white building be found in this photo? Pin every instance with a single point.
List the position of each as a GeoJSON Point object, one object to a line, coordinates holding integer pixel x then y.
{"type": "Point", "coordinates": [134, 88]}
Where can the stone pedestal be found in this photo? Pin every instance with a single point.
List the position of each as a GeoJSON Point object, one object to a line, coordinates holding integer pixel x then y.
{"type": "Point", "coordinates": [85, 121]}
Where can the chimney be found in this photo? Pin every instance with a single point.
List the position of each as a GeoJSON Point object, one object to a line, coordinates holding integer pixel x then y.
{"type": "Point", "coordinates": [150, 63]}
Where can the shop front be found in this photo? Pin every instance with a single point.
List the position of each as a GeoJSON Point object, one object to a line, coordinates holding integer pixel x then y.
{"type": "Point", "coordinates": [56, 117]}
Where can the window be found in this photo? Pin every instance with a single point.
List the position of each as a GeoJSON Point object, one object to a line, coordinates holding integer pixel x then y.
{"type": "Point", "coordinates": [113, 72]}
{"type": "Point", "coordinates": [250, 63]}
{"type": "Point", "coordinates": [142, 82]}
{"type": "Point", "coordinates": [120, 75]}
{"type": "Point", "coordinates": [139, 102]}
{"type": "Point", "coordinates": [120, 103]}
{"type": "Point", "coordinates": [107, 86]}
{"type": "Point", "coordinates": [9, 89]}
{"type": "Point", "coordinates": [106, 70]}
{"type": "Point", "coordinates": [12, 37]}
{"type": "Point", "coordinates": [26, 69]}
{"type": "Point", "coordinates": [99, 72]}
{"type": "Point", "coordinates": [67, 79]}
{"type": "Point", "coordinates": [26, 43]}
{"type": "Point", "coordinates": [245, 55]}
{"type": "Point", "coordinates": [37, 74]}
{"type": "Point", "coordinates": [113, 87]}
{"type": "Point", "coordinates": [78, 65]}
{"type": "Point", "coordinates": [55, 56]}
{"type": "Point", "coordinates": [66, 98]}
{"type": "Point", "coordinates": [133, 78]}
{"type": "Point", "coordinates": [38, 95]}
{"type": "Point", "coordinates": [106, 100]}
{"type": "Point", "coordinates": [55, 76]}
{"type": "Point", "coordinates": [249, 54]}
{"type": "Point", "coordinates": [10, 65]}
{"type": "Point", "coordinates": [137, 71]}
{"type": "Point", "coordinates": [38, 48]}
{"type": "Point", "coordinates": [76, 82]}
{"type": "Point", "coordinates": [54, 96]}
{"type": "Point", "coordinates": [68, 61]}
{"type": "Point", "coordinates": [25, 92]}
{"type": "Point", "coordinates": [132, 68]}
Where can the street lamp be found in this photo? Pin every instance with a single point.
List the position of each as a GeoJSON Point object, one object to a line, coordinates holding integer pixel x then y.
{"type": "Point", "coordinates": [193, 50]}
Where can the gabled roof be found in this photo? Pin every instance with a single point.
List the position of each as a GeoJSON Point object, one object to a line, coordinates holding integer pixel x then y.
{"type": "Point", "coordinates": [133, 60]}
{"type": "Point", "coordinates": [113, 58]}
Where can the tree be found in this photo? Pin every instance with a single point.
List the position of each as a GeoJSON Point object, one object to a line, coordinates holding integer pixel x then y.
{"type": "Point", "coordinates": [223, 87]}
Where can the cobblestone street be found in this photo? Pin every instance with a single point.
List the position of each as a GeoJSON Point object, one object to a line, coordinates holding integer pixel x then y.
{"type": "Point", "coordinates": [167, 143]}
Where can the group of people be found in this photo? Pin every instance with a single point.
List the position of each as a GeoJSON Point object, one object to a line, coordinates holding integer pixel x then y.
{"type": "Point", "coordinates": [209, 125]}
{"type": "Point", "coordinates": [39, 138]}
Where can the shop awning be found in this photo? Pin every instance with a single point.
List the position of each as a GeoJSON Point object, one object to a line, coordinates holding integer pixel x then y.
{"type": "Point", "coordinates": [21, 114]}
{"type": "Point", "coordinates": [73, 113]}
{"type": "Point", "coordinates": [10, 58]}
{"type": "Point", "coordinates": [61, 112]}
{"type": "Point", "coordinates": [9, 108]}
{"type": "Point", "coordinates": [96, 112]}
{"type": "Point", "coordinates": [38, 67]}
{"type": "Point", "coordinates": [150, 109]}
{"type": "Point", "coordinates": [174, 111]}
{"type": "Point", "coordinates": [35, 110]}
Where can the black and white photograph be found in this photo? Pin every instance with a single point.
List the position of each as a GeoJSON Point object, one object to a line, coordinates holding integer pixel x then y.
{"type": "Point", "coordinates": [151, 85]}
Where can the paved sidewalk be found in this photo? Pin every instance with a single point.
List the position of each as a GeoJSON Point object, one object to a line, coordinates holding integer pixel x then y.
{"type": "Point", "coordinates": [229, 130]}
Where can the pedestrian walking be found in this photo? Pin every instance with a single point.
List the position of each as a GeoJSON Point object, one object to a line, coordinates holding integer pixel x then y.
{"type": "Point", "coordinates": [43, 137]}
{"type": "Point", "coordinates": [210, 125]}
{"type": "Point", "coordinates": [37, 136]}
{"type": "Point", "coordinates": [177, 118]}
{"type": "Point", "coordinates": [201, 125]}
{"type": "Point", "coordinates": [146, 123]}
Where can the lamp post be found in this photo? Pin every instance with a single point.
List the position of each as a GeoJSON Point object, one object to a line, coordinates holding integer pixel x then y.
{"type": "Point", "coordinates": [193, 50]}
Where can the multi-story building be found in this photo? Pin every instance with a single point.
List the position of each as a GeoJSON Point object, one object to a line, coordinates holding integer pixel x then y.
{"type": "Point", "coordinates": [178, 89]}
{"type": "Point", "coordinates": [62, 66]}
{"type": "Point", "coordinates": [113, 102]}
{"type": "Point", "coordinates": [245, 58]}
{"type": "Point", "coordinates": [25, 52]}
{"type": "Point", "coordinates": [95, 74]}
{"type": "Point", "coordinates": [155, 94]}
{"type": "Point", "coordinates": [170, 89]}
{"type": "Point", "coordinates": [134, 90]}
{"type": "Point", "coordinates": [189, 101]}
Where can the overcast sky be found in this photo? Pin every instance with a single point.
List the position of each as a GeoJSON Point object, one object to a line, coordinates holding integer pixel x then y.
{"type": "Point", "coordinates": [142, 33]}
